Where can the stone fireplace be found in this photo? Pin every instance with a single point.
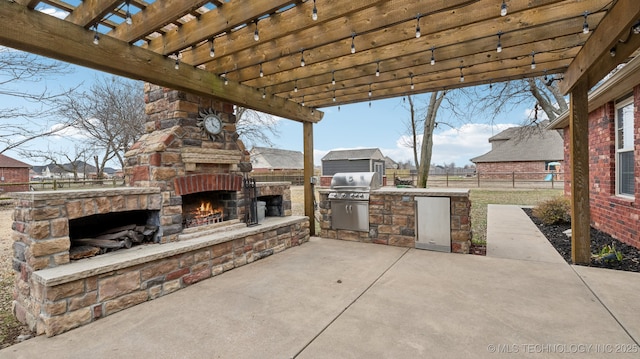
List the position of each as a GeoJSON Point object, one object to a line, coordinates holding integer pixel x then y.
{"type": "Point", "coordinates": [186, 196]}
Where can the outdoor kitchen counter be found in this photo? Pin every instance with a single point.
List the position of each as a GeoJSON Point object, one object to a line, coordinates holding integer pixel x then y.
{"type": "Point", "coordinates": [429, 192]}
{"type": "Point", "coordinates": [394, 218]}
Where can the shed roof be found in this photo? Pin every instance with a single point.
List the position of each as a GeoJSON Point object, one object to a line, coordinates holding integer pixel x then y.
{"type": "Point", "coordinates": [354, 154]}
{"type": "Point", "coordinates": [8, 162]}
{"type": "Point", "coordinates": [526, 143]}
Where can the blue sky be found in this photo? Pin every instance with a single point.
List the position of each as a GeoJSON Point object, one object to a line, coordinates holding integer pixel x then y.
{"type": "Point", "coordinates": [353, 126]}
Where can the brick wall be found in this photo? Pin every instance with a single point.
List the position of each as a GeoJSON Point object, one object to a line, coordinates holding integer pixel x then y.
{"type": "Point", "coordinates": [14, 175]}
{"type": "Point", "coordinates": [615, 215]}
{"type": "Point", "coordinates": [533, 170]}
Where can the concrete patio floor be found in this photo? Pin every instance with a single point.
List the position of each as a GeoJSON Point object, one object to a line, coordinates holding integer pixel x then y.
{"type": "Point", "coordinates": [339, 299]}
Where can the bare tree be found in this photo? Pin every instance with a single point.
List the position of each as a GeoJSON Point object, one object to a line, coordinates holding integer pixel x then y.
{"type": "Point", "coordinates": [255, 127]}
{"type": "Point", "coordinates": [466, 104]}
{"type": "Point", "coordinates": [61, 161]}
{"type": "Point", "coordinates": [33, 115]}
{"type": "Point", "coordinates": [111, 114]}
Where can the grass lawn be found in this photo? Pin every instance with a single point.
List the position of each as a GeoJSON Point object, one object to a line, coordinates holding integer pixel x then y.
{"type": "Point", "coordinates": [480, 198]}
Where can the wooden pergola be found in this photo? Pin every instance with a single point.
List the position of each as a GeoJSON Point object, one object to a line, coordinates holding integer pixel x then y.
{"type": "Point", "coordinates": [289, 58]}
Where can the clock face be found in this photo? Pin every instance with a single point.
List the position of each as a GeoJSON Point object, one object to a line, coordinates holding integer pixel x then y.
{"type": "Point", "coordinates": [212, 124]}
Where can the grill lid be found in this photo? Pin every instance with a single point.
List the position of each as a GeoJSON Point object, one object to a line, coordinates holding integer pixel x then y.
{"type": "Point", "coordinates": [356, 181]}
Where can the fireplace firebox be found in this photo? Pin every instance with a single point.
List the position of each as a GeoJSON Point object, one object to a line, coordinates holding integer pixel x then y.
{"type": "Point", "coordinates": [204, 208]}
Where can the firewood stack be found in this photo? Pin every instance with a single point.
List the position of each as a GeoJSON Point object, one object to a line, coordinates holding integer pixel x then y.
{"type": "Point", "coordinates": [111, 240]}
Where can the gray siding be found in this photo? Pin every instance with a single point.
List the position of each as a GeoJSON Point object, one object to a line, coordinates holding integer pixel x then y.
{"type": "Point", "coordinates": [329, 168]}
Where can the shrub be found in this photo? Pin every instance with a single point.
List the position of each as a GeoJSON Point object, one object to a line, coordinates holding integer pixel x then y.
{"type": "Point", "coordinates": [553, 211]}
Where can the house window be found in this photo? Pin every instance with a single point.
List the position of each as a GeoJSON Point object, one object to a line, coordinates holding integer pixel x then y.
{"type": "Point", "coordinates": [624, 148]}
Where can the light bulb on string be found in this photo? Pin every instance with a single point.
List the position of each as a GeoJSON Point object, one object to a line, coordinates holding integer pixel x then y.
{"type": "Point", "coordinates": [127, 17]}
{"type": "Point", "coordinates": [256, 34]}
{"type": "Point", "coordinates": [261, 72]}
{"type": "Point", "coordinates": [353, 44]}
{"type": "Point", "coordinates": [333, 78]}
{"type": "Point", "coordinates": [295, 85]}
{"type": "Point", "coordinates": [302, 63]}
{"type": "Point", "coordinates": [302, 101]}
{"type": "Point", "coordinates": [334, 95]}
{"type": "Point", "coordinates": [264, 93]}
{"type": "Point", "coordinates": [412, 85]}
{"type": "Point", "coordinates": [226, 80]}
{"type": "Point", "coordinates": [177, 64]}
{"type": "Point", "coordinates": [499, 47]}
{"type": "Point", "coordinates": [314, 12]}
{"type": "Point", "coordinates": [96, 37]}
{"type": "Point", "coordinates": [433, 57]}
{"type": "Point", "coordinates": [585, 25]}
{"type": "Point", "coordinates": [503, 9]}
{"type": "Point", "coordinates": [461, 75]}
{"type": "Point", "coordinates": [212, 52]}
{"type": "Point", "coordinates": [378, 69]}
{"type": "Point", "coordinates": [418, 26]}
{"type": "Point", "coordinates": [370, 93]}
{"type": "Point", "coordinates": [533, 60]}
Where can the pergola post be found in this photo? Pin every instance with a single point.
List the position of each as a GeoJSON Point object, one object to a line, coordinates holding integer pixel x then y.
{"type": "Point", "coordinates": [579, 148]}
{"type": "Point", "coordinates": [309, 209]}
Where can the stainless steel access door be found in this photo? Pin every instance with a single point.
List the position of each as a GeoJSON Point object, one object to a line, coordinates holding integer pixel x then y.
{"type": "Point", "coordinates": [351, 215]}
{"type": "Point", "coordinates": [433, 223]}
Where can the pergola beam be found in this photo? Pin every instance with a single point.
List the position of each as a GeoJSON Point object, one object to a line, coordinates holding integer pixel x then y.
{"type": "Point", "coordinates": [614, 28]}
{"type": "Point", "coordinates": [90, 11]}
{"type": "Point", "coordinates": [45, 35]}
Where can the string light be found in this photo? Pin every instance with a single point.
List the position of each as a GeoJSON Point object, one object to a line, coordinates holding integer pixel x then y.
{"type": "Point", "coordinates": [295, 85]}
{"type": "Point", "coordinates": [177, 65]}
{"type": "Point", "coordinates": [96, 37]}
{"type": "Point", "coordinates": [433, 57]}
{"type": "Point", "coordinates": [212, 52]}
{"type": "Point", "coordinates": [412, 85]}
{"type": "Point", "coordinates": [302, 63]}
{"type": "Point", "coordinates": [499, 47]}
{"type": "Point", "coordinates": [314, 13]}
{"type": "Point", "coordinates": [636, 27]}
{"type": "Point", "coordinates": [226, 80]}
{"type": "Point", "coordinates": [461, 75]}
{"type": "Point", "coordinates": [612, 52]}
{"type": "Point", "coordinates": [533, 60]}
{"type": "Point", "coordinates": [370, 90]}
{"type": "Point", "coordinates": [369, 104]}
{"type": "Point", "coordinates": [418, 26]}
{"type": "Point", "coordinates": [333, 78]}
{"type": "Point", "coordinates": [353, 44]}
{"type": "Point", "coordinates": [585, 25]}
{"type": "Point", "coordinates": [256, 34]}
{"type": "Point", "coordinates": [302, 100]}
{"type": "Point", "coordinates": [503, 9]}
{"type": "Point", "coordinates": [334, 95]}
{"type": "Point", "coordinates": [338, 108]}
{"type": "Point", "coordinates": [261, 72]}
{"type": "Point", "coordinates": [128, 19]}
{"type": "Point", "coordinates": [378, 69]}
{"type": "Point", "coordinates": [264, 92]}
{"type": "Point", "coordinates": [490, 85]}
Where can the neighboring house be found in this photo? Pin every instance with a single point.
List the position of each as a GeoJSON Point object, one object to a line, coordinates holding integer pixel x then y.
{"type": "Point", "coordinates": [13, 171]}
{"type": "Point", "coordinates": [352, 160]}
{"type": "Point", "coordinates": [66, 171]}
{"type": "Point", "coordinates": [614, 154]}
{"type": "Point", "coordinates": [265, 159]}
{"type": "Point", "coordinates": [529, 151]}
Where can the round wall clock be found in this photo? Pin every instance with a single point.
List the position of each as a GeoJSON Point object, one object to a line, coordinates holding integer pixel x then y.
{"type": "Point", "coordinates": [212, 124]}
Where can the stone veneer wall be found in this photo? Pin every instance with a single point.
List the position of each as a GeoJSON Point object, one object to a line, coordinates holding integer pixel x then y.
{"type": "Point", "coordinates": [176, 152]}
{"type": "Point", "coordinates": [392, 219]}
{"type": "Point", "coordinates": [41, 232]}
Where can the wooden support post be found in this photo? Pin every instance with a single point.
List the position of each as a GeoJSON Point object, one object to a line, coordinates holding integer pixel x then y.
{"type": "Point", "coordinates": [579, 148]}
{"type": "Point", "coordinates": [309, 208]}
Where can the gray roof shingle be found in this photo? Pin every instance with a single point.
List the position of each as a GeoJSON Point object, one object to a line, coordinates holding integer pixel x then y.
{"type": "Point", "coordinates": [529, 143]}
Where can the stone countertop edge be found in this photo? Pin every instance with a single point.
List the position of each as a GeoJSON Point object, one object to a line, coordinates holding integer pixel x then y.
{"type": "Point", "coordinates": [431, 192]}
{"type": "Point", "coordinates": [121, 259]}
{"type": "Point", "coordinates": [84, 193]}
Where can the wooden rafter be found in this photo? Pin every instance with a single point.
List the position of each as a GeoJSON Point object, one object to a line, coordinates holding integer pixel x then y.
{"type": "Point", "coordinates": [90, 11]}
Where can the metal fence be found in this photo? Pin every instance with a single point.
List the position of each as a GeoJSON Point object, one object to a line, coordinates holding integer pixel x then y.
{"type": "Point", "coordinates": [488, 180]}
{"type": "Point", "coordinates": [62, 183]}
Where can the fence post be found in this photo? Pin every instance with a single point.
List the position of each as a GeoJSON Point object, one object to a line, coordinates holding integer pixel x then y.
{"type": "Point", "coordinates": [513, 179]}
{"type": "Point", "coordinates": [478, 175]}
{"type": "Point", "coordinates": [55, 185]}
{"type": "Point", "coordinates": [447, 173]}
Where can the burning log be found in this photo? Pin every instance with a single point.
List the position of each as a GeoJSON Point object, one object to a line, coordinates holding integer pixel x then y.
{"type": "Point", "coordinates": [111, 239]}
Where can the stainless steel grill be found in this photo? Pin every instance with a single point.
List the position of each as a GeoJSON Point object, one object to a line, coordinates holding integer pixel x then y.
{"type": "Point", "coordinates": [349, 198]}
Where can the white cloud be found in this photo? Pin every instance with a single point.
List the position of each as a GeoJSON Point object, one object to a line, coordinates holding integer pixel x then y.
{"type": "Point", "coordinates": [457, 145]}
{"type": "Point", "coordinates": [60, 14]}
{"type": "Point", "coordinates": [68, 132]}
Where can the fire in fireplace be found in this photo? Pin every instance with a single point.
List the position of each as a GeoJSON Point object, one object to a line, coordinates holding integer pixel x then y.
{"type": "Point", "coordinates": [204, 208]}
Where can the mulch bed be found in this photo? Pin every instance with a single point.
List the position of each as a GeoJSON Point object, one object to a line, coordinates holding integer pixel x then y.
{"type": "Point", "coordinates": [554, 233]}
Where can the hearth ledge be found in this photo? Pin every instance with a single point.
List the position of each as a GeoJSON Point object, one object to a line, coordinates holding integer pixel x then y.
{"type": "Point", "coordinates": [109, 262]}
